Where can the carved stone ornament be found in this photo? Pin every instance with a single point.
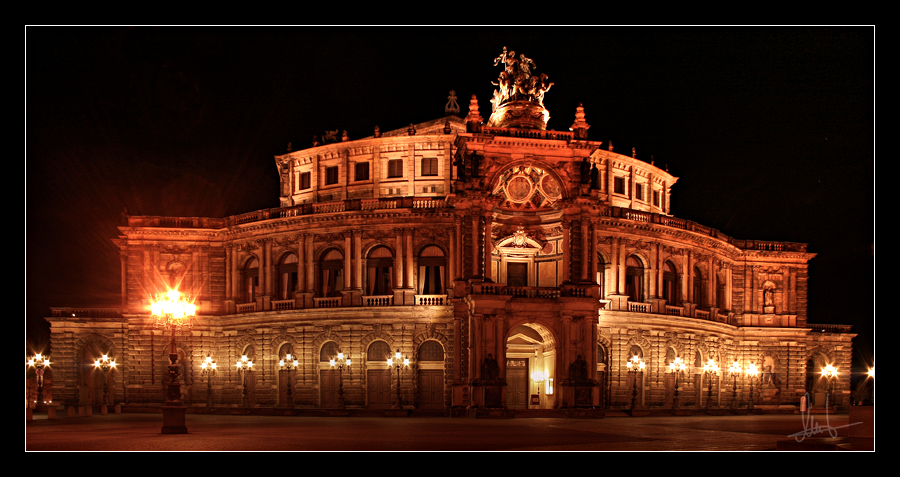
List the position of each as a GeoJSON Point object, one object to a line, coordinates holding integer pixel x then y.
{"type": "Point", "coordinates": [519, 101]}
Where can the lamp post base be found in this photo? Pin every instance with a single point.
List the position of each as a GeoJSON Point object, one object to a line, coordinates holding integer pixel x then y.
{"type": "Point", "coordinates": [173, 420]}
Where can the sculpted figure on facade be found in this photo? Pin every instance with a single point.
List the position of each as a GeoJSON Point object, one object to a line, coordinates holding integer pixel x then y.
{"type": "Point", "coordinates": [517, 81]}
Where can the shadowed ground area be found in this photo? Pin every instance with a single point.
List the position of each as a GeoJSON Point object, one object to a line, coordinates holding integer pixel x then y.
{"type": "Point", "coordinates": [141, 432]}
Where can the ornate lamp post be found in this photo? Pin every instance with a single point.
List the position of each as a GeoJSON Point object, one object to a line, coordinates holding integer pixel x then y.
{"type": "Point", "coordinates": [734, 371]}
{"type": "Point", "coordinates": [173, 312]}
{"type": "Point", "coordinates": [830, 372]}
{"type": "Point", "coordinates": [711, 370]}
{"type": "Point", "coordinates": [635, 366]}
{"type": "Point", "coordinates": [676, 367]}
{"type": "Point", "coordinates": [753, 374]}
{"type": "Point", "coordinates": [105, 364]}
{"type": "Point", "coordinates": [208, 368]}
{"type": "Point", "coordinates": [339, 363]}
{"type": "Point", "coordinates": [399, 364]}
{"type": "Point", "coordinates": [244, 366]}
{"type": "Point", "coordinates": [39, 362]}
{"type": "Point", "coordinates": [289, 364]}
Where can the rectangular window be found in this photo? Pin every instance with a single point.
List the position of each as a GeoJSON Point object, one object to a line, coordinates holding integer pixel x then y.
{"type": "Point", "coordinates": [639, 191]}
{"type": "Point", "coordinates": [656, 198]}
{"type": "Point", "coordinates": [331, 175]}
{"type": "Point", "coordinates": [619, 185]}
{"type": "Point", "coordinates": [429, 166]}
{"type": "Point", "coordinates": [305, 180]}
{"type": "Point", "coordinates": [362, 171]}
{"type": "Point", "coordinates": [395, 168]}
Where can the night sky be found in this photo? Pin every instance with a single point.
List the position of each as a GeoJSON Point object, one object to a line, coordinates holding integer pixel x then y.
{"type": "Point", "coordinates": [770, 130]}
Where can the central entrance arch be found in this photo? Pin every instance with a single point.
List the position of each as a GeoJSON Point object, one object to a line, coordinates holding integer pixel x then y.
{"type": "Point", "coordinates": [530, 367]}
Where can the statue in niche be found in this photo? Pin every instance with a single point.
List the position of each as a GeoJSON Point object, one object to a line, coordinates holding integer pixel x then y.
{"type": "Point", "coordinates": [595, 176]}
{"type": "Point", "coordinates": [474, 159]}
{"type": "Point", "coordinates": [585, 171]}
{"type": "Point", "coordinates": [578, 370]}
{"type": "Point", "coordinates": [769, 297]}
{"type": "Point", "coordinates": [460, 163]}
{"type": "Point", "coordinates": [490, 370]}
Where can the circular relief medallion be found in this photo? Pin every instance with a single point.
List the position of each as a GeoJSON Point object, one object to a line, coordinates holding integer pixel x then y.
{"type": "Point", "coordinates": [518, 189]}
{"type": "Point", "coordinates": [550, 187]}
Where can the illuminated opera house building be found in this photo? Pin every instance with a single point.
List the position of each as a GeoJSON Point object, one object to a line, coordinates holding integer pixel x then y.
{"type": "Point", "coordinates": [515, 267]}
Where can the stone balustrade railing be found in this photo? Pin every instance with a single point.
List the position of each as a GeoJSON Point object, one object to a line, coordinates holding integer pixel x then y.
{"type": "Point", "coordinates": [87, 312]}
{"type": "Point", "coordinates": [328, 302]}
{"type": "Point", "coordinates": [282, 305]}
{"type": "Point", "coordinates": [378, 300]}
{"type": "Point", "coordinates": [437, 203]}
{"type": "Point", "coordinates": [431, 300]}
{"type": "Point", "coordinates": [246, 307]}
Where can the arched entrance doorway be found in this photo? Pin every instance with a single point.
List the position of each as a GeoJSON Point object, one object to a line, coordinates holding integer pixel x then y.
{"type": "Point", "coordinates": [378, 376]}
{"type": "Point", "coordinates": [530, 367]}
{"type": "Point", "coordinates": [430, 375]}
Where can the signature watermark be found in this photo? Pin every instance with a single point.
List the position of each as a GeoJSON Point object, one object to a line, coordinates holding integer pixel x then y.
{"type": "Point", "coordinates": [812, 427]}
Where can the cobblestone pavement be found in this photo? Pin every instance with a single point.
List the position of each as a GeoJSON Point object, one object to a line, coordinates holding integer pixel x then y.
{"type": "Point", "coordinates": [141, 432]}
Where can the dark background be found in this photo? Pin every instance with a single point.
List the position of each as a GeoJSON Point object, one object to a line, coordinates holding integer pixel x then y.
{"type": "Point", "coordinates": [770, 130]}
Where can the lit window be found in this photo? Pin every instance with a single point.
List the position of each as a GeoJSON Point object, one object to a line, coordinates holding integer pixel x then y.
{"type": "Point", "coordinates": [619, 185]}
{"type": "Point", "coordinates": [362, 171]}
{"type": "Point", "coordinates": [331, 175]}
{"type": "Point", "coordinates": [429, 166]}
{"type": "Point", "coordinates": [305, 180]}
{"type": "Point", "coordinates": [395, 168]}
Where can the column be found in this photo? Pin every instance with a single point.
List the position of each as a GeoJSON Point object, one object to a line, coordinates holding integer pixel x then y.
{"type": "Point", "coordinates": [310, 279]}
{"type": "Point", "coordinates": [398, 259]}
{"type": "Point", "coordinates": [595, 238]}
{"type": "Point", "coordinates": [565, 247]}
{"type": "Point", "coordinates": [728, 287]}
{"type": "Point", "coordinates": [451, 259]}
{"type": "Point", "coordinates": [229, 273]}
{"type": "Point", "coordinates": [585, 247]}
{"type": "Point", "coordinates": [475, 233]}
{"type": "Point", "coordinates": [408, 278]}
{"type": "Point", "coordinates": [488, 246]}
{"type": "Point", "coordinates": [267, 267]}
{"type": "Point", "coordinates": [301, 260]}
{"type": "Point", "coordinates": [620, 265]}
{"type": "Point", "coordinates": [357, 272]}
{"type": "Point", "coordinates": [347, 252]}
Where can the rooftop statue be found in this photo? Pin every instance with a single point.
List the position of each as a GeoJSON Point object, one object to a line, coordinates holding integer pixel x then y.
{"type": "Point", "coordinates": [517, 82]}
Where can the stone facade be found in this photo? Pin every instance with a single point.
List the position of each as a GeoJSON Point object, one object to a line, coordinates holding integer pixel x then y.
{"type": "Point", "coordinates": [485, 253]}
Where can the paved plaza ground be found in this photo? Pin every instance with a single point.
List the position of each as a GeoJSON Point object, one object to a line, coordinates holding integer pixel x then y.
{"type": "Point", "coordinates": [141, 432]}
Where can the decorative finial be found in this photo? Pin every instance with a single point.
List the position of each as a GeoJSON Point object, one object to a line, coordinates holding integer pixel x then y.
{"type": "Point", "coordinates": [473, 119]}
{"type": "Point", "coordinates": [377, 131]}
{"type": "Point", "coordinates": [452, 107]}
{"type": "Point", "coordinates": [411, 129]}
{"type": "Point", "coordinates": [651, 159]}
{"type": "Point", "coordinates": [289, 147]}
{"type": "Point", "coordinates": [580, 126]}
{"type": "Point", "coordinates": [344, 136]}
{"type": "Point", "coordinates": [447, 129]}
{"type": "Point", "coordinates": [610, 145]}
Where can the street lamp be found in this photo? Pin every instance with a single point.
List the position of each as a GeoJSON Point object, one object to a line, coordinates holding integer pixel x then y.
{"type": "Point", "coordinates": [734, 370]}
{"type": "Point", "coordinates": [676, 367]}
{"type": "Point", "coordinates": [244, 365]}
{"type": "Point", "coordinates": [711, 369]}
{"type": "Point", "coordinates": [400, 364]}
{"type": "Point", "coordinates": [635, 366]}
{"type": "Point", "coordinates": [339, 363]}
{"type": "Point", "coordinates": [173, 312]}
{"type": "Point", "coordinates": [289, 364]}
{"type": "Point", "coordinates": [830, 372]}
{"type": "Point", "coordinates": [105, 364]}
{"type": "Point", "coordinates": [39, 362]}
{"type": "Point", "coordinates": [753, 374]}
{"type": "Point", "coordinates": [208, 368]}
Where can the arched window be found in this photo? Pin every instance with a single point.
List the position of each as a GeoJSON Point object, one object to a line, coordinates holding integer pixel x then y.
{"type": "Point", "coordinates": [378, 352]}
{"type": "Point", "coordinates": [432, 268]}
{"type": "Point", "coordinates": [329, 350]}
{"type": "Point", "coordinates": [431, 350]}
{"type": "Point", "coordinates": [287, 277]}
{"type": "Point", "coordinates": [670, 285]}
{"type": "Point", "coordinates": [699, 299]}
{"type": "Point", "coordinates": [634, 279]}
{"type": "Point", "coordinates": [331, 273]}
{"type": "Point", "coordinates": [250, 281]}
{"type": "Point", "coordinates": [380, 268]}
